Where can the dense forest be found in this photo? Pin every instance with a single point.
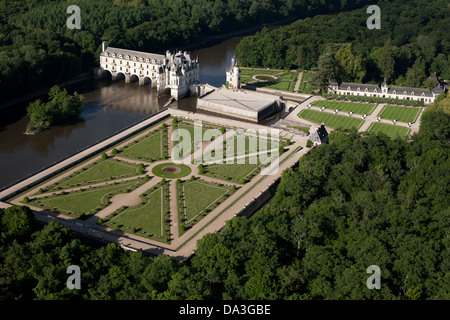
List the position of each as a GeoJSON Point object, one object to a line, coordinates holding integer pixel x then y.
{"type": "Point", "coordinates": [412, 44]}
{"type": "Point", "coordinates": [361, 200]}
{"type": "Point", "coordinates": [37, 48]}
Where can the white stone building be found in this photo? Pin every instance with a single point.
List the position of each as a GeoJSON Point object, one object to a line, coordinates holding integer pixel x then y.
{"type": "Point", "coordinates": [233, 74]}
{"type": "Point", "coordinates": [174, 72]}
{"type": "Point", "coordinates": [373, 90]}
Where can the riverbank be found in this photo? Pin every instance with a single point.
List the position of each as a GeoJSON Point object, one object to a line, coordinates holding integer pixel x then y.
{"type": "Point", "coordinates": [212, 40]}
{"type": "Point", "coordinates": [43, 91]}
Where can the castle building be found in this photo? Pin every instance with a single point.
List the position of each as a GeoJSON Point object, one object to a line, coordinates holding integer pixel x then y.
{"type": "Point", "coordinates": [383, 91]}
{"type": "Point", "coordinates": [233, 74]}
{"type": "Point", "coordinates": [172, 72]}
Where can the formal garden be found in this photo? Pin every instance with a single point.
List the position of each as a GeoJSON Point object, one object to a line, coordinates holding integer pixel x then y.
{"type": "Point", "coordinates": [399, 113]}
{"type": "Point", "coordinates": [390, 130]}
{"type": "Point", "coordinates": [269, 78]}
{"type": "Point", "coordinates": [150, 218]}
{"type": "Point", "coordinates": [196, 198]}
{"type": "Point", "coordinates": [354, 107]}
{"type": "Point", "coordinates": [331, 120]}
{"type": "Point", "coordinates": [87, 190]}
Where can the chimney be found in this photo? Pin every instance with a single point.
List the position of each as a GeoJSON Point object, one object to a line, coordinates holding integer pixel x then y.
{"type": "Point", "coordinates": [104, 46]}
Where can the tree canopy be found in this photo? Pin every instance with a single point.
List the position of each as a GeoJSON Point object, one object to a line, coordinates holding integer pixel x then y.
{"type": "Point", "coordinates": [411, 45]}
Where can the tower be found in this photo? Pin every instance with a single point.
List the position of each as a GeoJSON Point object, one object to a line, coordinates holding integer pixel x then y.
{"type": "Point", "coordinates": [233, 75]}
{"type": "Point", "coordinates": [384, 87]}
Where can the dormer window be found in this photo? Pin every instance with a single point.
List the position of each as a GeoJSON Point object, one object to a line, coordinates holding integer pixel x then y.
{"type": "Point", "coordinates": [134, 58]}
{"type": "Point", "coordinates": [128, 57]}
{"type": "Point", "coordinates": [367, 90]}
{"type": "Point", "coordinates": [107, 54]}
{"type": "Point", "coordinates": [404, 93]}
{"type": "Point", "coordinates": [412, 93]}
{"type": "Point", "coordinates": [147, 60]}
{"type": "Point", "coordinates": [423, 94]}
{"type": "Point", "coordinates": [394, 92]}
{"type": "Point", "coordinates": [120, 56]}
{"type": "Point", "coordinates": [141, 59]}
{"type": "Point", "coordinates": [113, 55]}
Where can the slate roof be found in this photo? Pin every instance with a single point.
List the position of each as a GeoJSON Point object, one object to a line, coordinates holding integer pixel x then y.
{"type": "Point", "coordinates": [409, 91]}
{"type": "Point", "coordinates": [319, 135]}
{"type": "Point", "coordinates": [110, 50]}
{"type": "Point", "coordinates": [362, 87]}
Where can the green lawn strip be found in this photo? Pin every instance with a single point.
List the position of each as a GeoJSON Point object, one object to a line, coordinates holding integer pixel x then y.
{"type": "Point", "coordinates": [390, 130]}
{"type": "Point", "coordinates": [98, 171]}
{"type": "Point", "coordinates": [253, 72]}
{"type": "Point", "coordinates": [197, 198]}
{"type": "Point", "coordinates": [403, 114]}
{"type": "Point", "coordinates": [233, 172]}
{"type": "Point", "coordinates": [331, 120]}
{"type": "Point", "coordinates": [355, 107]}
{"type": "Point", "coordinates": [148, 219]}
{"type": "Point", "coordinates": [234, 201]}
{"type": "Point", "coordinates": [87, 201]}
{"type": "Point", "coordinates": [150, 147]}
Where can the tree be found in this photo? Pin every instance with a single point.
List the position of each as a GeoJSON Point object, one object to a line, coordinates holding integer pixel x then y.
{"type": "Point", "coordinates": [17, 222]}
{"type": "Point", "coordinates": [386, 62]}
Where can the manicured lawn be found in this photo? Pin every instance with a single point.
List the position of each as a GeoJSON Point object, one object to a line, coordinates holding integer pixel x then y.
{"type": "Point", "coordinates": [331, 120]}
{"type": "Point", "coordinates": [403, 114]}
{"type": "Point", "coordinates": [84, 201]}
{"type": "Point", "coordinates": [148, 148]}
{"type": "Point", "coordinates": [355, 107]}
{"type": "Point", "coordinates": [277, 84]}
{"type": "Point", "coordinates": [199, 196]}
{"type": "Point", "coordinates": [232, 172]}
{"type": "Point", "coordinates": [102, 171]}
{"type": "Point", "coordinates": [390, 130]}
{"type": "Point", "coordinates": [146, 217]}
{"type": "Point", "coordinates": [252, 72]}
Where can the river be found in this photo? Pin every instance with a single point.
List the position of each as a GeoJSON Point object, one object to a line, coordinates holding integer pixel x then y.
{"type": "Point", "coordinates": [109, 107]}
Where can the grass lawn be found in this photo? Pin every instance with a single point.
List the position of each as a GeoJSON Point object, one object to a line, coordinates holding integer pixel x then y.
{"type": "Point", "coordinates": [199, 196]}
{"type": "Point", "coordinates": [146, 217]}
{"type": "Point", "coordinates": [286, 79]}
{"type": "Point", "coordinates": [403, 114]}
{"type": "Point", "coordinates": [231, 172]}
{"type": "Point", "coordinates": [355, 107]}
{"type": "Point", "coordinates": [276, 84]}
{"type": "Point", "coordinates": [331, 120]}
{"type": "Point", "coordinates": [102, 171]}
{"type": "Point", "coordinates": [390, 130]}
{"type": "Point", "coordinates": [84, 201]}
{"type": "Point", "coordinates": [150, 147]}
